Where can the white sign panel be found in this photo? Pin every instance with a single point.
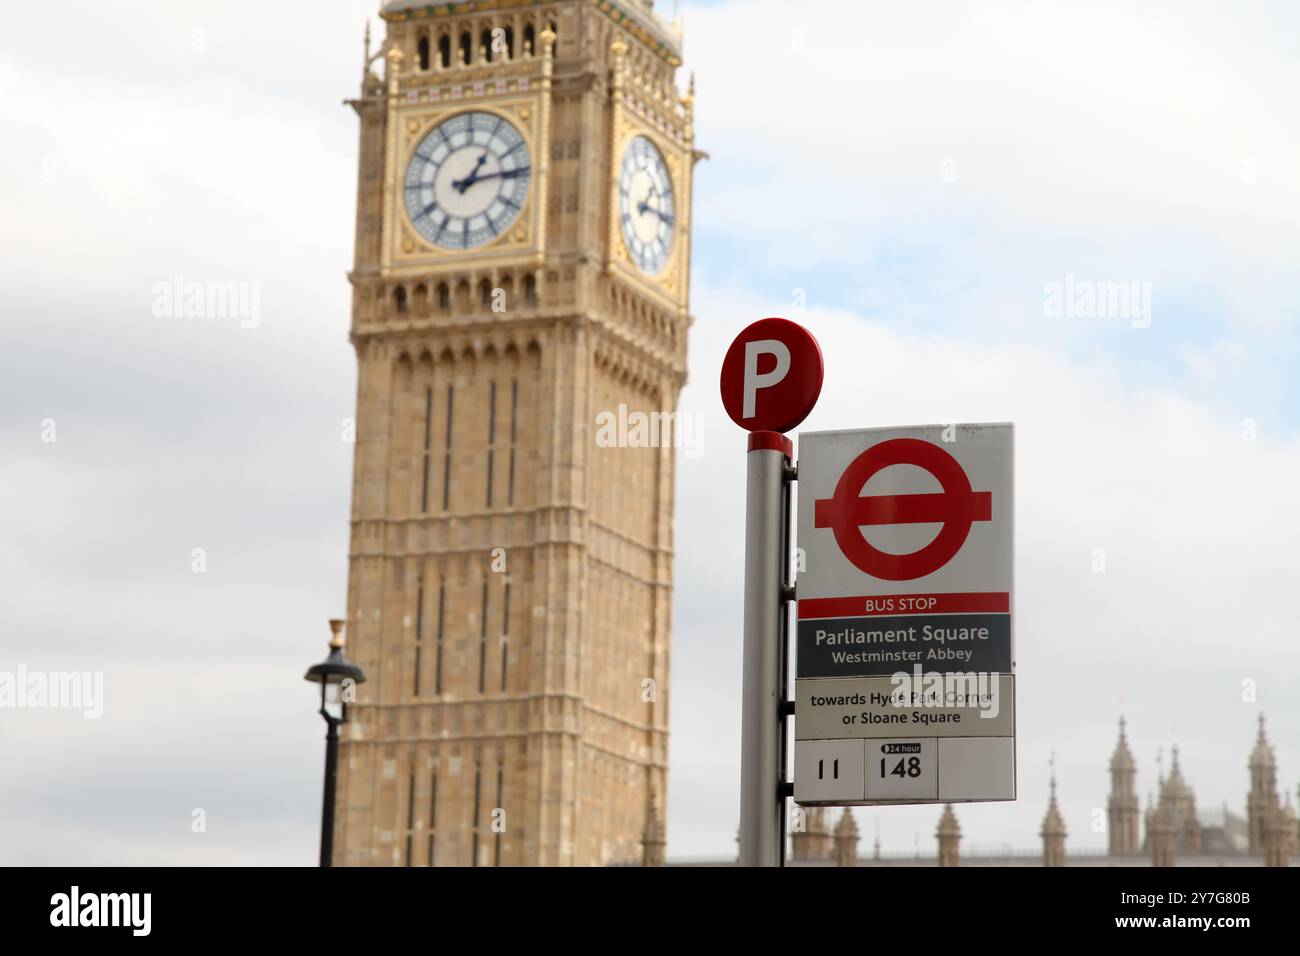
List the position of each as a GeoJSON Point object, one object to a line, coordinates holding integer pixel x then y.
{"type": "Point", "coordinates": [905, 661]}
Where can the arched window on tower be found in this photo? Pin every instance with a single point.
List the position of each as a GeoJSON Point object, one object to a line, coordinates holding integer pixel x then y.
{"type": "Point", "coordinates": [510, 43]}
{"type": "Point", "coordinates": [444, 51]}
{"type": "Point", "coordinates": [530, 291]}
{"type": "Point", "coordinates": [485, 45]}
{"type": "Point", "coordinates": [530, 39]}
{"type": "Point", "coordinates": [466, 48]}
{"type": "Point", "coordinates": [422, 53]}
{"type": "Point", "coordinates": [485, 294]}
{"type": "Point", "coordinates": [399, 298]}
{"type": "Point", "coordinates": [444, 296]}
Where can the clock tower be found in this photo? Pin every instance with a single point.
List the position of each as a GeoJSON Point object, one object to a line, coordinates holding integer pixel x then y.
{"type": "Point", "coordinates": [521, 274]}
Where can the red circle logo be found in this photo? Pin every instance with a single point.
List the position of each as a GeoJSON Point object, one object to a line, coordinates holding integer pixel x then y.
{"type": "Point", "coordinates": [957, 507]}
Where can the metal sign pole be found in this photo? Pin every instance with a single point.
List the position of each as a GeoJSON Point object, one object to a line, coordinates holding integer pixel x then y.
{"type": "Point", "coordinates": [785, 704]}
{"type": "Point", "coordinates": [766, 561]}
{"type": "Point", "coordinates": [766, 404]}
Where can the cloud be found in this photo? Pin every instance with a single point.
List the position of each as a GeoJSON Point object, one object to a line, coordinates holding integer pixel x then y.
{"type": "Point", "coordinates": [982, 151]}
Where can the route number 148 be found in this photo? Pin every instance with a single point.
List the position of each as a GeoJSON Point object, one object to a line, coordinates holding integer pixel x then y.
{"type": "Point", "coordinates": [906, 767]}
{"type": "Point", "coordinates": [908, 770]}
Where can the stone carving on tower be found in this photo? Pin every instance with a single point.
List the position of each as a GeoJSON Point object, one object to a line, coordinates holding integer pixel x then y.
{"type": "Point", "coordinates": [522, 266]}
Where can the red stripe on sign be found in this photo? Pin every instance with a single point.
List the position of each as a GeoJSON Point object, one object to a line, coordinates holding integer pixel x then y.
{"type": "Point", "coordinates": [902, 509]}
{"type": "Point", "coordinates": [987, 602]}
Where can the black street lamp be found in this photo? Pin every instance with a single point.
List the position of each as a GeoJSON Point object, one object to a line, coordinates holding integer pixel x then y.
{"type": "Point", "coordinates": [336, 678]}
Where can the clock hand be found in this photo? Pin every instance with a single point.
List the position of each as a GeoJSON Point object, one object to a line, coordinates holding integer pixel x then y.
{"type": "Point", "coordinates": [460, 185]}
{"type": "Point", "coordinates": [646, 207]}
{"type": "Point", "coordinates": [504, 174]}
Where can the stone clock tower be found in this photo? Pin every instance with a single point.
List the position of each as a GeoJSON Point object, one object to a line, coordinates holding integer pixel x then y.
{"type": "Point", "coordinates": [522, 266]}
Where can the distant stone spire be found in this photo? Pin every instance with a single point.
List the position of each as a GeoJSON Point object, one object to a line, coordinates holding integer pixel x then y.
{"type": "Point", "coordinates": [1123, 757]}
{"type": "Point", "coordinates": [1262, 798]}
{"type": "Point", "coordinates": [1262, 754]}
{"type": "Point", "coordinates": [368, 77]}
{"type": "Point", "coordinates": [1053, 831]}
{"type": "Point", "coordinates": [1178, 798]}
{"type": "Point", "coordinates": [1174, 783]}
{"type": "Point", "coordinates": [813, 841]}
{"type": "Point", "coordinates": [949, 836]}
{"type": "Point", "coordinates": [1122, 810]}
{"type": "Point", "coordinates": [846, 840]}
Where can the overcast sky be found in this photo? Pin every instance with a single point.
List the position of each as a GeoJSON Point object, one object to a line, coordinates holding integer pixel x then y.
{"type": "Point", "coordinates": [907, 180]}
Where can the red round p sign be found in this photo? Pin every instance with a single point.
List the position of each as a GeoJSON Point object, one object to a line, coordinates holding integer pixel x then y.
{"type": "Point", "coordinates": [771, 376]}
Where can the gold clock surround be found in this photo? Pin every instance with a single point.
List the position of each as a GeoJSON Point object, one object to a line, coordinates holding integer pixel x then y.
{"type": "Point", "coordinates": [629, 123]}
{"type": "Point", "coordinates": [404, 251]}
{"type": "Point", "coordinates": [413, 247]}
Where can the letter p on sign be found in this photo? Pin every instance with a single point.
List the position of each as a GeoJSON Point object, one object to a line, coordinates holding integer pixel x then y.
{"type": "Point", "coordinates": [753, 380]}
{"type": "Point", "coordinates": [771, 376]}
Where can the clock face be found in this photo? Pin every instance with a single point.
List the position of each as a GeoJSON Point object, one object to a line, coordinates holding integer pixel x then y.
{"type": "Point", "coordinates": [468, 180]}
{"type": "Point", "coordinates": [645, 200]}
